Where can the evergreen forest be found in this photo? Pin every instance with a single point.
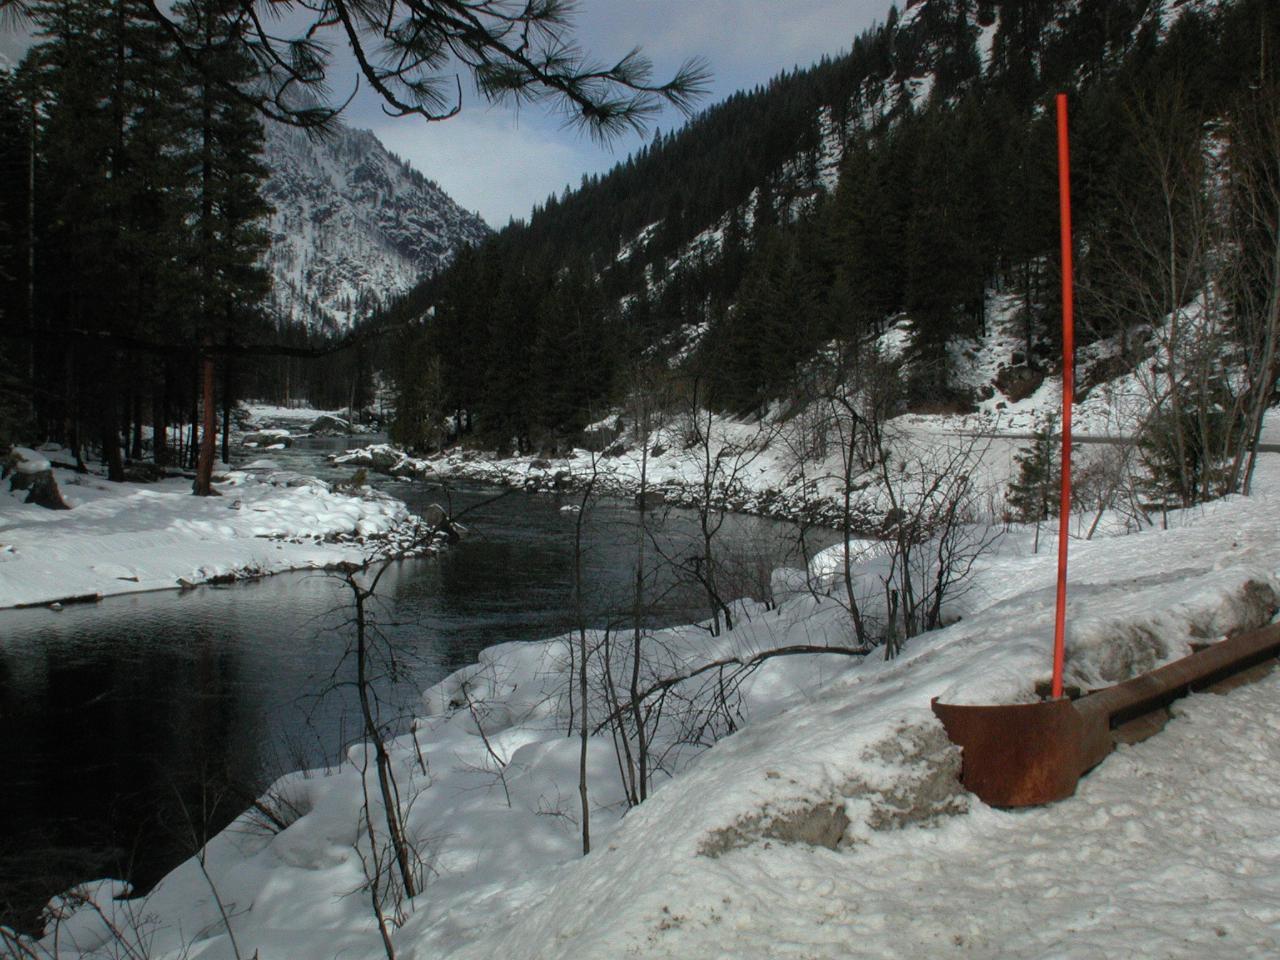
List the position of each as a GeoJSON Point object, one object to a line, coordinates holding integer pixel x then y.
{"type": "Point", "coordinates": [718, 245]}
{"type": "Point", "coordinates": [902, 183]}
{"type": "Point", "coordinates": [133, 223]}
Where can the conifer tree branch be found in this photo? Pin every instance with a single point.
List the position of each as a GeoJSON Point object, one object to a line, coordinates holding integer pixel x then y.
{"type": "Point", "coordinates": [513, 50]}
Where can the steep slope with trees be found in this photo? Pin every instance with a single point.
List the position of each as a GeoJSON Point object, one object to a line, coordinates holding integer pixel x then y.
{"type": "Point", "coordinates": [731, 247]}
{"type": "Point", "coordinates": [351, 225]}
{"type": "Point", "coordinates": [125, 112]}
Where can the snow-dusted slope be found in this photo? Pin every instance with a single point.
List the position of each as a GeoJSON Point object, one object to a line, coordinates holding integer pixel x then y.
{"type": "Point", "coordinates": [827, 826]}
{"type": "Point", "coordinates": [353, 224]}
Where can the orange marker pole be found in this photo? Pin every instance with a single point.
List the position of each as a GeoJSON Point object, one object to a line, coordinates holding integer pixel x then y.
{"type": "Point", "coordinates": [1068, 391]}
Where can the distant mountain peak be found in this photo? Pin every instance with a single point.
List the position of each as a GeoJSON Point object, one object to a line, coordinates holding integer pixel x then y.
{"type": "Point", "coordinates": [353, 225]}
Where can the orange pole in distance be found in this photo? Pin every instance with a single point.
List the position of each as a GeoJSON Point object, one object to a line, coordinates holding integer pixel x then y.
{"type": "Point", "coordinates": [1068, 391]}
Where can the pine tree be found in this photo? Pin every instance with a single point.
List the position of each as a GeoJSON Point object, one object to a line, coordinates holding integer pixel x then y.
{"type": "Point", "coordinates": [572, 366]}
{"type": "Point", "coordinates": [1033, 494]}
{"type": "Point", "coordinates": [225, 174]}
{"type": "Point", "coordinates": [104, 73]}
{"type": "Point", "coordinates": [16, 255]}
{"type": "Point", "coordinates": [870, 213]}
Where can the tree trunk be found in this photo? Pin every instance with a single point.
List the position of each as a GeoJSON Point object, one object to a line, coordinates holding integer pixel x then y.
{"type": "Point", "coordinates": [111, 442]}
{"type": "Point", "coordinates": [637, 650]}
{"type": "Point", "coordinates": [126, 422]}
{"type": "Point", "coordinates": [191, 431]}
{"type": "Point", "coordinates": [203, 486]}
{"type": "Point", "coordinates": [135, 446]}
{"type": "Point", "coordinates": [226, 410]}
{"type": "Point", "coordinates": [846, 532]}
{"type": "Point", "coordinates": [159, 423]}
{"type": "Point", "coordinates": [373, 732]}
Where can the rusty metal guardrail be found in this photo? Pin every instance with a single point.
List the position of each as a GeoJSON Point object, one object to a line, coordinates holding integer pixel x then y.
{"type": "Point", "coordinates": [1023, 754]}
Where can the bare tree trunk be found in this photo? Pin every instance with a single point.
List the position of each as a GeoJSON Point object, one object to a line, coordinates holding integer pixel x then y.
{"type": "Point", "coordinates": [203, 486]}
{"type": "Point", "coordinates": [637, 636]}
{"type": "Point", "coordinates": [226, 410]}
{"type": "Point", "coordinates": [584, 728]}
{"type": "Point", "coordinates": [848, 458]}
{"type": "Point", "coordinates": [386, 781]}
{"type": "Point", "coordinates": [621, 739]}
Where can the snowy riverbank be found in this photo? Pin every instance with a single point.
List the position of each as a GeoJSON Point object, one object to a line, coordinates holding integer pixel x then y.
{"type": "Point", "coordinates": [787, 465]}
{"type": "Point", "coordinates": [131, 537]}
{"type": "Point", "coordinates": [746, 467]}
{"type": "Point", "coordinates": [827, 825]}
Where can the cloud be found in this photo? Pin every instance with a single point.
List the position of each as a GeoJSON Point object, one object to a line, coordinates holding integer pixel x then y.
{"type": "Point", "coordinates": [744, 41]}
{"type": "Point", "coordinates": [501, 163]}
{"type": "Point", "coordinates": [489, 159]}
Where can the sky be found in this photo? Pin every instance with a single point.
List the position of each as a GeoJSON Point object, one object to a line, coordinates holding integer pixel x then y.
{"type": "Point", "coordinates": [499, 161]}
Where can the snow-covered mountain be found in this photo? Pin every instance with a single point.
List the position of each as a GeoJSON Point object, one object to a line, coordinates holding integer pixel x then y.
{"type": "Point", "coordinates": [352, 225]}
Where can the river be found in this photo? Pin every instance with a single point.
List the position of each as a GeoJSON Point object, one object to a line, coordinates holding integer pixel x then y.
{"type": "Point", "coordinates": [131, 727]}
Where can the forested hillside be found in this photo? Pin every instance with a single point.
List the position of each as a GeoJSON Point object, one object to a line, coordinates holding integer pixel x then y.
{"type": "Point", "coordinates": [154, 217]}
{"type": "Point", "coordinates": [351, 226]}
{"type": "Point", "coordinates": [912, 177]}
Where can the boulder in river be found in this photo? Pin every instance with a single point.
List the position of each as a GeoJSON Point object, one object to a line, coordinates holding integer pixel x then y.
{"type": "Point", "coordinates": [439, 519]}
{"type": "Point", "coordinates": [327, 425]}
{"type": "Point", "coordinates": [267, 438]}
{"type": "Point", "coordinates": [384, 458]}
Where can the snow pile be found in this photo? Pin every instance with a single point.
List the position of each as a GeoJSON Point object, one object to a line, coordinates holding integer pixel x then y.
{"type": "Point", "coordinates": [28, 462]}
{"type": "Point", "coordinates": [832, 806]}
{"type": "Point", "coordinates": [384, 458]}
{"type": "Point", "coordinates": [129, 537]}
{"type": "Point", "coordinates": [1181, 866]}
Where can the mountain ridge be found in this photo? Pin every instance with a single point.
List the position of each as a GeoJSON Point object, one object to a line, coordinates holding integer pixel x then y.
{"type": "Point", "coordinates": [909, 177]}
{"type": "Point", "coordinates": [352, 225]}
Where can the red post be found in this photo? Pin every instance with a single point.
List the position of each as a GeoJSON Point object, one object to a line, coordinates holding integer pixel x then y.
{"type": "Point", "coordinates": [1068, 391]}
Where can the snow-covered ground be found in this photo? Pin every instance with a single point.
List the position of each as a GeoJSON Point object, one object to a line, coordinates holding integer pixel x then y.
{"type": "Point", "coordinates": [827, 825]}
{"type": "Point", "coordinates": [826, 820]}
{"type": "Point", "coordinates": [129, 537]}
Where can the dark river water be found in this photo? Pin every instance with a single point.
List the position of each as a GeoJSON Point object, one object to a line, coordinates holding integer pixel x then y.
{"type": "Point", "coordinates": [133, 727]}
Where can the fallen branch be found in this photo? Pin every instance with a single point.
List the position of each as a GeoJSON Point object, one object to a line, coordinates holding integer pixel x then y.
{"type": "Point", "coordinates": [742, 663]}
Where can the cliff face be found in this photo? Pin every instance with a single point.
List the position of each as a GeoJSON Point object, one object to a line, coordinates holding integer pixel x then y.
{"type": "Point", "coordinates": [352, 225]}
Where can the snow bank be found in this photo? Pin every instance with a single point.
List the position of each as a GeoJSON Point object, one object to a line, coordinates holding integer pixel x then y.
{"type": "Point", "coordinates": [384, 458]}
{"type": "Point", "coordinates": [129, 537]}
